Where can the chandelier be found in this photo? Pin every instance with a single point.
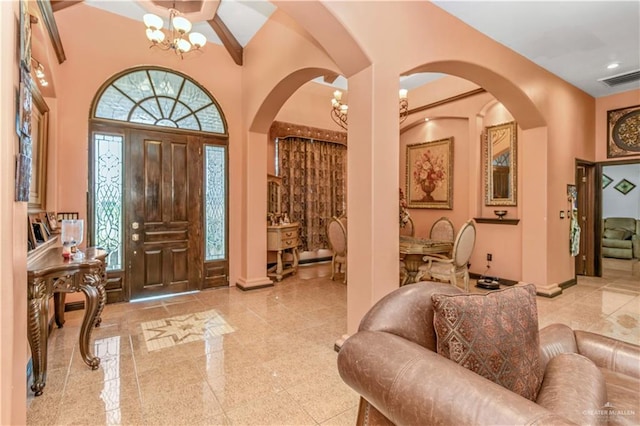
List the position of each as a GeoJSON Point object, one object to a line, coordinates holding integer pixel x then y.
{"type": "Point", "coordinates": [339, 110]}
{"type": "Point", "coordinates": [178, 32]}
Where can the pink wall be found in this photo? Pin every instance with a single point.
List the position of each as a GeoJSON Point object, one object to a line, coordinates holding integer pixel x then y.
{"type": "Point", "coordinates": [604, 104]}
{"type": "Point", "coordinates": [13, 236]}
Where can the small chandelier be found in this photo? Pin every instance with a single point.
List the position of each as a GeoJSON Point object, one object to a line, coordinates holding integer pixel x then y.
{"type": "Point", "coordinates": [175, 40]}
{"type": "Point", "coordinates": [339, 110]}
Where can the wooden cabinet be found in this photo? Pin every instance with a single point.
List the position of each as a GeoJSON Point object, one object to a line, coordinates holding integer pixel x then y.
{"type": "Point", "coordinates": [283, 239]}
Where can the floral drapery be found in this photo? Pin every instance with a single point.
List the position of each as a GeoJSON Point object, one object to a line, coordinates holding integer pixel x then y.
{"type": "Point", "coordinates": [313, 185]}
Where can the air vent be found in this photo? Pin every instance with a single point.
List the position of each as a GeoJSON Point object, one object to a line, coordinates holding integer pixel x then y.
{"type": "Point", "coordinates": [619, 79]}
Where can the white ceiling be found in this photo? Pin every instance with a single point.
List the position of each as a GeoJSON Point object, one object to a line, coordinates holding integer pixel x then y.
{"type": "Point", "coordinates": [574, 40]}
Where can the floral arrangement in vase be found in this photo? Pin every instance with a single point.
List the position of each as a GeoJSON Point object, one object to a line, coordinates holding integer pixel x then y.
{"type": "Point", "coordinates": [429, 173]}
{"type": "Point", "coordinates": [404, 213]}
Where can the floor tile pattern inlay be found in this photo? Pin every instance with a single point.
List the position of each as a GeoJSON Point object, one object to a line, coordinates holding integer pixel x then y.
{"type": "Point", "coordinates": [164, 333]}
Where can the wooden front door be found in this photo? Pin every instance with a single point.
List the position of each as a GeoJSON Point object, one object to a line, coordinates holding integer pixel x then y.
{"type": "Point", "coordinates": [163, 242]}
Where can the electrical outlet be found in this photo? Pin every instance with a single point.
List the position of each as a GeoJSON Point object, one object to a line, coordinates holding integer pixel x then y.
{"type": "Point", "coordinates": [489, 257]}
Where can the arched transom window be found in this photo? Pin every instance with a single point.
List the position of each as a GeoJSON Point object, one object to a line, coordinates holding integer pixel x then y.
{"type": "Point", "coordinates": [160, 97]}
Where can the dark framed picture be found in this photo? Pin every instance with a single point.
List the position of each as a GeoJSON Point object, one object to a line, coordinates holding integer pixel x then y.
{"type": "Point", "coordinates": [26, 101]}
{"type": "Point", "coordinates": [25, 35]}
{"type": "Point", "coordinates": [23, 177]}
{"type": "Point", "coordinates": [623, 138]}
{"type": "Point", "coordinates": [624, 186]}
{"type": "Point", "coordinates": [17, 111]}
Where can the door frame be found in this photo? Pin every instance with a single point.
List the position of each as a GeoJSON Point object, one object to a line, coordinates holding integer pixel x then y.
{"type": "Point", "coordinates": [592, 232]}
{"type": "Point", "coordinates": [118, 289]}
{"type": "Point", "coordinates": [598, 207]}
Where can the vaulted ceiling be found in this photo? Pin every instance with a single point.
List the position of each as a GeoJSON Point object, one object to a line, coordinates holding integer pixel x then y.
{"type": "Point", "coordinates": [575, 40]}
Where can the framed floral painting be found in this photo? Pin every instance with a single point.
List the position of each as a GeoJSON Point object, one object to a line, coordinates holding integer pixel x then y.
{"type": "Point", "coordinates": [430, 174]}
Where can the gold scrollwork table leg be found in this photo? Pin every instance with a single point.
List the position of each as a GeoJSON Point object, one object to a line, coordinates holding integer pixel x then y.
{"type": "Point", "coordinates": [90, 284]}
{"type": "Point", "coordinates": [37, 333]}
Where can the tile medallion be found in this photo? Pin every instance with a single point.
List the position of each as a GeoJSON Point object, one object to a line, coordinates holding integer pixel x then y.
{"type": "Point", "coordinates": [168, 332]}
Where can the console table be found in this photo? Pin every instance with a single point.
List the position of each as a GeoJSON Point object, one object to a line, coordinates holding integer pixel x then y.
{"type": "Point", "coordinates": [51, 274]}
{"type": "Point", "coordinates": [281, 238]}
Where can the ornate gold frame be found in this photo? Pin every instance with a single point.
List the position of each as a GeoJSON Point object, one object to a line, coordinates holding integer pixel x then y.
{"type": "Point", "coordinates": [622, 132]}
{"type": "Point", "coordinates": [492, 136]}
{"type": "Point", "coordinates": [442, 195]}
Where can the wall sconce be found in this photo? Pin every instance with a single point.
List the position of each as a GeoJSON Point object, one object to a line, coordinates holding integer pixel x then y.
{"type": "Point", "coordinates": [39, 71]}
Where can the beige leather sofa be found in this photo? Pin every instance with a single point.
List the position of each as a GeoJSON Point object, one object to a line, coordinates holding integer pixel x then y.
{"type": "Point", "coordinates": [621, 238]}
{"type": "Point", "coordinates": [391, 362]}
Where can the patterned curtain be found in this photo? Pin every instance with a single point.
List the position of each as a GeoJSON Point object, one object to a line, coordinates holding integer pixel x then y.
{"type": "Point", "coordinates": [313, 185]}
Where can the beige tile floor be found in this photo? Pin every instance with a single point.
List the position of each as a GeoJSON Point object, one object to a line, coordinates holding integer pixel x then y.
{"type": "Point", "coordinates": [265, 357]}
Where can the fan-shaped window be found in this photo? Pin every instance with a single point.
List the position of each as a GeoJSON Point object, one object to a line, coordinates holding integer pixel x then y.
{"type": "Point", "coordinates": [159, 98]}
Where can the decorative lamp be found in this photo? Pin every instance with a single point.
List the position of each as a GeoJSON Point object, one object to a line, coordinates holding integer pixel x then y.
{"type": "Point", "coordinates": [72, 232]}
{"type": "Point", "coordinates": [178, 38]}
{"type": "Point", "coordinates": [339, 110]}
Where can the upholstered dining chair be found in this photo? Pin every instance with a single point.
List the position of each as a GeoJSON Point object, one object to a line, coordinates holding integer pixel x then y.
{"type": "Point", "coordinates": [451, 268]}
{"type": "Point", "coordinates": [442, 230]}
{"type": "Point", "coordinates": [337, 237]}
{"type": "Point", "coordinates": [409, 229]}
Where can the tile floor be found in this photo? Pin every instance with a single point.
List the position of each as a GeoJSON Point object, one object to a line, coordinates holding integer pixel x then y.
{"type": "Point", "coordinates": [265, 357]}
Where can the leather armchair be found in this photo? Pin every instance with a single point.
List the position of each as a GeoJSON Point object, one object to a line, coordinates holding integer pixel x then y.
{"type": "Point", "coordinates": [392, 363]}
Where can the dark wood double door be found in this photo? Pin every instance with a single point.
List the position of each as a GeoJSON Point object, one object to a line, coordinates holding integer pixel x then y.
{"type": "Point", "coordinates": [163, 217]}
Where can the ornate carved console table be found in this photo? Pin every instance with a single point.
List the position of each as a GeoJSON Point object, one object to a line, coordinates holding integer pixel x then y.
{"type": "Point", "coordinates": [51, 274]}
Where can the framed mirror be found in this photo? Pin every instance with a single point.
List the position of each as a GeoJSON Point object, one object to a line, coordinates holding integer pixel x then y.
{"type": "Point", "coordinates": [500, 165]}
{"type": "Point", "coordinates": [39, 149]}
{"type": "Point", "coordinates": [274, 184]}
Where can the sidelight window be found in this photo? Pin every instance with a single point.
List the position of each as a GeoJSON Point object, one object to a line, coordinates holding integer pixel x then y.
{"type": "Point", "coordinates": [107, 184]}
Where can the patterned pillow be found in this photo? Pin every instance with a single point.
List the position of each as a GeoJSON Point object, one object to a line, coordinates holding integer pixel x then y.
{"type": "Point", "coordinates": [494, 335]}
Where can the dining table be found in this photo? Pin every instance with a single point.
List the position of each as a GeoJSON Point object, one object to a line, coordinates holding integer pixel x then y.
{"type": "Point", "coordinates": [412, 251]}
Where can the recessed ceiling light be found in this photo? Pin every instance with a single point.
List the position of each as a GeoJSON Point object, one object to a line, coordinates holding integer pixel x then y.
{"type": "Point", "coordinates": [613, 65]}
{"type": "Point", "coordinates": [426, 119]}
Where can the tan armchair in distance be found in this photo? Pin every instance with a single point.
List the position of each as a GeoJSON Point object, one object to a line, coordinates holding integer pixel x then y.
{"type": "Point", "coordinates": [337, 237]}
{"type": "Point", "coordinates": [451, 268]}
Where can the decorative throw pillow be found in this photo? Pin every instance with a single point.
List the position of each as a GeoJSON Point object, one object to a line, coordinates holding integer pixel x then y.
{"type": "Point", "coordinates": [614, 234]}
{"type": "Point", "coordinates": [494, 335]}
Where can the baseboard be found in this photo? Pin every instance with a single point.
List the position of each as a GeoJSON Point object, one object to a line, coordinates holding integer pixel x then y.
{"type": "Point", "coordinates": [503, 281]}
{"type": "Point", "coordinates": [305, 261]}
{"type": "Point", "coordinates": [74, 306]}
{"type": "Point", "coordinates": [568, 283]}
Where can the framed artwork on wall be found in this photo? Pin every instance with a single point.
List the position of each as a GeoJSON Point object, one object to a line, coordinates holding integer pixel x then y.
{"type": "Point", "coordinates": [25, 35]}
{"type": "Point", "coordinates": [623, 134]}
{"type": "Point", "coordinates": [624, 186]}
{"type": "Point", "coordinates": [430, 174]}
{"type": "Point", "coordinates": [23, 177]}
